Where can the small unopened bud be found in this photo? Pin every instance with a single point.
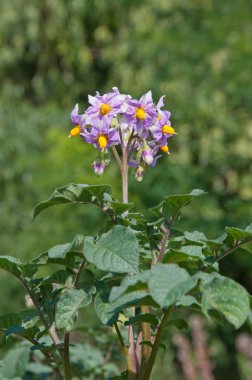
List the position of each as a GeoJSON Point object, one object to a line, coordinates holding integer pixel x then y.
{"type": "Point", "coordinates": [139, 173]}
{"type": "Point", "coordinates": [147, 154]}
{"type": "Point", "coordinates": [99, 167]}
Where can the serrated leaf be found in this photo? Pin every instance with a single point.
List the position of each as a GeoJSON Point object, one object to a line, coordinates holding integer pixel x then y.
{"type": "Point", "coordinates": [74, 193]}
{"type": "Point", "coordinates": [11, 264]}
{"type": "Point", "coordinates": [227, 297]}
{"type": "Point", "coordinates": [168, 283]}
{"type": "Point", "coordinates": [69, 303]}
{"type": "Point", "coordinates": [116, 251]}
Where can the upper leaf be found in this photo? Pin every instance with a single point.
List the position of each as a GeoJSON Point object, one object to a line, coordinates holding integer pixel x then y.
{"type": "Point", "coordinates": [115, 251]}
{"type": "Point", "coordinates": [171, 206]}
{"type": "Point", "coordinates": [74, 193]}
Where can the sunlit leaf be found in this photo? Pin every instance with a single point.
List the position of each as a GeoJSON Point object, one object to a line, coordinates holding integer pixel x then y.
{"type": "Point", "coordinates": [115, 251]}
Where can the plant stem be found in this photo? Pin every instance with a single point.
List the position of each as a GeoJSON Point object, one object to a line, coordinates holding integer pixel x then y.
{"type": "Point", "coordinates": [51, 329]}
{"type": "Point", "coordinates": [49, 357]}
{"type": "Point", "coordinates": [125, 175]}
{"type": "Point", "coordinates": [146, 336]}
{"type": "Point", "coordinates": [152, 358]}
{"type": "Point", "coordinates": [78, 274]}
{"type": "Point", "coordinates": [163, 244]}
{"type": "Point", "coordinates": [66, 360]}
{"type": "Point", "coordinates": [123, 165]}
{"type": "Point", "coordinates": [117, 157]}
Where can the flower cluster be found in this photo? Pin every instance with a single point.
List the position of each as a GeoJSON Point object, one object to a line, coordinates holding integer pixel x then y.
{"type": "Point", "coordinates": [140, 127]}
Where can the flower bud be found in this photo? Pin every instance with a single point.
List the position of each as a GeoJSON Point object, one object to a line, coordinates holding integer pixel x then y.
{"type": "Point", "coordinates": [139, 173]}
{"type": "Point", "coordinates": [99, 167]}
{"type": "Point", "coordinates": [147, 155]}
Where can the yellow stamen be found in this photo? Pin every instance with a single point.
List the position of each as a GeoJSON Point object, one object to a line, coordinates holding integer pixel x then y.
{"type": "Point", "coordinates": [168, 129]}
{"type": "Point", "coordinates": [75, 131]}
{"type": "Point", "coordinates": [140, 114]}
{"type": "Point", "coordinates": [104, 109]}
{"type": "Point", "coordinates": [159, 116]}
{"type": "Point", "coordinates": [102, 141]}
{"type": "Point", "coordinates": [164, 149]}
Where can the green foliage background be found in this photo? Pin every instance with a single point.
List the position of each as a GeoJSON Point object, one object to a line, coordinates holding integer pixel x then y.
{"type": "Point", "coordinates": [54, 53]}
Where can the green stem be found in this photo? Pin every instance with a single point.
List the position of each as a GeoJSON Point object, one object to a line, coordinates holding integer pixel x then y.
{"type": "Point", "coordinates": [154, 351]}
{"type": "Point", "coordinates": [78, 274]}
{"type": "Point", "coordinates": [66, 359]}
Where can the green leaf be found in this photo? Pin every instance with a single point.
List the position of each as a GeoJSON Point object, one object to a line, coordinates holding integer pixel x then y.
{"type": "Point", "coordinates": [63, 254]}
{"type": "Point", "coordinates": [129, 284]}
{"type": "Point", "coordinates": [174, 256]}
{"type": "Point", "coordinates": [69, 303]}
{"type": "Point", "coordinates": [74, 193]}
{"type": "Point", "coordinates": [227, 297]}
{"type": "Point", "coordinates": [11, 265]}
{"type": "Point", "coordinates": [115, 251]}
{"type": "Point", "coordinates": [168, 283]}
{"type": "Point", "coordinates": [15, 362]}
{"type": "Point", "coordinates": [120, 207]}
{"type": "Point", "coordinates": [26, 318]}
{"type": "Point", "coordinates": [104, 311]}
{"type": "Point", "coordinates": [195, 236]}
{"type": "Point", "coordinates": [238, 234]}
{"type": "Point", "coordinates": [143, 318]}
{"type": "Point", "coordinates": [75, 247]}
{"type": "Point", "coordinates": [172, 205]}
{"type": "Point", "coordinates": [187, 301]}
{"type": "Point", "coordinates": [39, 368]}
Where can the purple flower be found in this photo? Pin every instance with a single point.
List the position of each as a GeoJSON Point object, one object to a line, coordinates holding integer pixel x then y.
{"type": "Point", "coordinates": [99, 167]}
{"type": "Point", "coordinates": [77, 120]}
{"type": "Point", "coordinates": [101, 136]}
{"type": "Point", "coordinates": [162, 129]}
{"type": "Point", "coordinates": [140, 113]}
{"type": "Point", "coordinates": [104, 106]}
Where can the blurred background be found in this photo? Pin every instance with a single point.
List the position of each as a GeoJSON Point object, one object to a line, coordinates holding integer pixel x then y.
{"type": "Point", "coordinates": [53, 53]}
